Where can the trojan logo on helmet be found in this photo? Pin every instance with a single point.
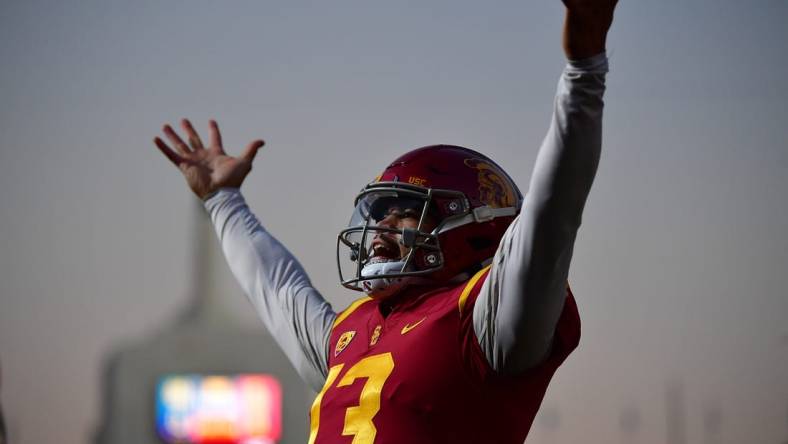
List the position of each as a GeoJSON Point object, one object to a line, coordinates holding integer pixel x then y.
{"type": "Point", "coordinates": [494, 190]}
{"type": "Point", "coordinates": [463, 202]}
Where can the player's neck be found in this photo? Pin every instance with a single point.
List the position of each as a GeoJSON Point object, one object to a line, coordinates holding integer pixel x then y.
{"type": "Point", "coordinates": [407, 297]}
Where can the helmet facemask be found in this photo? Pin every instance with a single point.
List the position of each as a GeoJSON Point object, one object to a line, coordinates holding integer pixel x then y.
{"type": "Point", "coordinates": [380, 259]}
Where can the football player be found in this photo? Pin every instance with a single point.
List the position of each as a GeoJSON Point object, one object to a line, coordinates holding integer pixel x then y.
{"type": "Point", "coordinates": [467, 313]}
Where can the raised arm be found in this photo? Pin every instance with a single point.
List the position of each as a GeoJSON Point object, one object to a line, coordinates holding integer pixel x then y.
{"type": "Point", "coordinates": [290, 307]}
{"type": "Point", "coordinates": [520, 302]}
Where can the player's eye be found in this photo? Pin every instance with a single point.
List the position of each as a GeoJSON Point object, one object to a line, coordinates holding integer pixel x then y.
{"type": "Point", "coordinates": [394, 211]}
{"type": "Point", "coordinates": [403, 213]}
{"type": "Point", "coordinates": [410, 213]}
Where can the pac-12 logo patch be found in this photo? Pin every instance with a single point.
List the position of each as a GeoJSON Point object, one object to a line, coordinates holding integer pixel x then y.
{"type": "Point", "coordinates": [343, 341]}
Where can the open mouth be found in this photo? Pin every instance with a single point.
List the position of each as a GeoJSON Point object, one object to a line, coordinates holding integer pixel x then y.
{"type": "Point", "coordinates": [384, 249]}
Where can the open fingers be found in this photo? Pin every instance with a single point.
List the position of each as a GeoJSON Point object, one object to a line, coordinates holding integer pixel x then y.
{"type": "Point", "coordinates": [251, 150]}
{"type": "Point", "coordinates": [216, 137]}
{"type": "Point", "coordinates": [176, 140]}
{"type": "Point", "coordinates": [194, 138]}
{"type": "Point", "coordinates": [167, 151]}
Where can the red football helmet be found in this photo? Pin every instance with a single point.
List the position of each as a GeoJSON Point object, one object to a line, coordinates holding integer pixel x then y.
{"type": "Point", "coordinates": [468, 198]}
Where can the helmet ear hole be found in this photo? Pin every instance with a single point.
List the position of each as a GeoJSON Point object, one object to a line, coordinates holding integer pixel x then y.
{"type": "Point", "coordinates": [425, 260]}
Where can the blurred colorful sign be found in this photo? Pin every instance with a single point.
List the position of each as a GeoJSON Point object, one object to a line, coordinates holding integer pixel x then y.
{"type": "Point", "coordinates": [201, 409]}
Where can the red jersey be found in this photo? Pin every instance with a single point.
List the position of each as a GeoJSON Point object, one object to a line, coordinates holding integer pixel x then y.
{"type": "Point", "coordinates": [419, 375]}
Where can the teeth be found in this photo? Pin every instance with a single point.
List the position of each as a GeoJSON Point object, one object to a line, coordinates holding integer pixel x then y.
{"type": "Point", "coordinates": [381, 250]}
{"type": "Point", "coordinates": [379, 259]}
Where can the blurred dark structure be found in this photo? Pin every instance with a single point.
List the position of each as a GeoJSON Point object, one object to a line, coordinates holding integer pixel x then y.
{"type": "Point", "coordinates": [786, 441]}
{"type": "Point", "coordinates": [204, 339]}
{"type": "Point", "coordinates": [3, 436]}
{"type": "Point", "coordinates": [629, 423]}
{"type": "Point", "coordinates": [675, 414]}
{"type": "Point", "coordinates": [712, 423]}
{"type": "Point", "coordinates": [2, 428]}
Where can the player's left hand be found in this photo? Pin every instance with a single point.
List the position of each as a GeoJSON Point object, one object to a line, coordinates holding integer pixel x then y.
{"type": "Point", "coordinates": [206, 169]}
{"type": "Point", "coordinates": [586, 26]}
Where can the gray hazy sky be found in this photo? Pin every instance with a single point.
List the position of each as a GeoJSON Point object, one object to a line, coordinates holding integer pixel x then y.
{"type": "Point", "coordinates": [678, 268]}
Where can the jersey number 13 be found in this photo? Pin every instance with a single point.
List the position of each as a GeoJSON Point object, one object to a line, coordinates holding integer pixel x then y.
{"type": "Point", "coordinates": [358, 419]}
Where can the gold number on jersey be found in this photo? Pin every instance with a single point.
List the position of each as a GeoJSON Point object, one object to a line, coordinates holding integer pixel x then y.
{"type": "Point", "coordinates": [358, 419]}
{"type": "Point", "coordinates": [314, 413]}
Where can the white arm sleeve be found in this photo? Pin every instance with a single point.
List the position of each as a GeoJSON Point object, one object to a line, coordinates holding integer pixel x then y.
{"type": "Point", "coordinates": [293, 311]}
{"type": "Point", "coordinates": [522, 298]}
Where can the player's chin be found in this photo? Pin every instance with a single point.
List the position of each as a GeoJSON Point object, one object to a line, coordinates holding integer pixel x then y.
{"type": "Point", "coordinates": [381, 293]}
{"type": "Point", "coordinates": [378, 287]}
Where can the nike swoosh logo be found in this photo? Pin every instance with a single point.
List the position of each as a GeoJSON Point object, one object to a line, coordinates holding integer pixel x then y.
{"type": "Point", "coordinates": [409, 327]}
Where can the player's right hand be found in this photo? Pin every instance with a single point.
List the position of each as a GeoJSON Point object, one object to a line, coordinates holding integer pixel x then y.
{"type": "Point", "coordinates": [206, 169]}
{"type": "Point", "coordinates": [585, 27]}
